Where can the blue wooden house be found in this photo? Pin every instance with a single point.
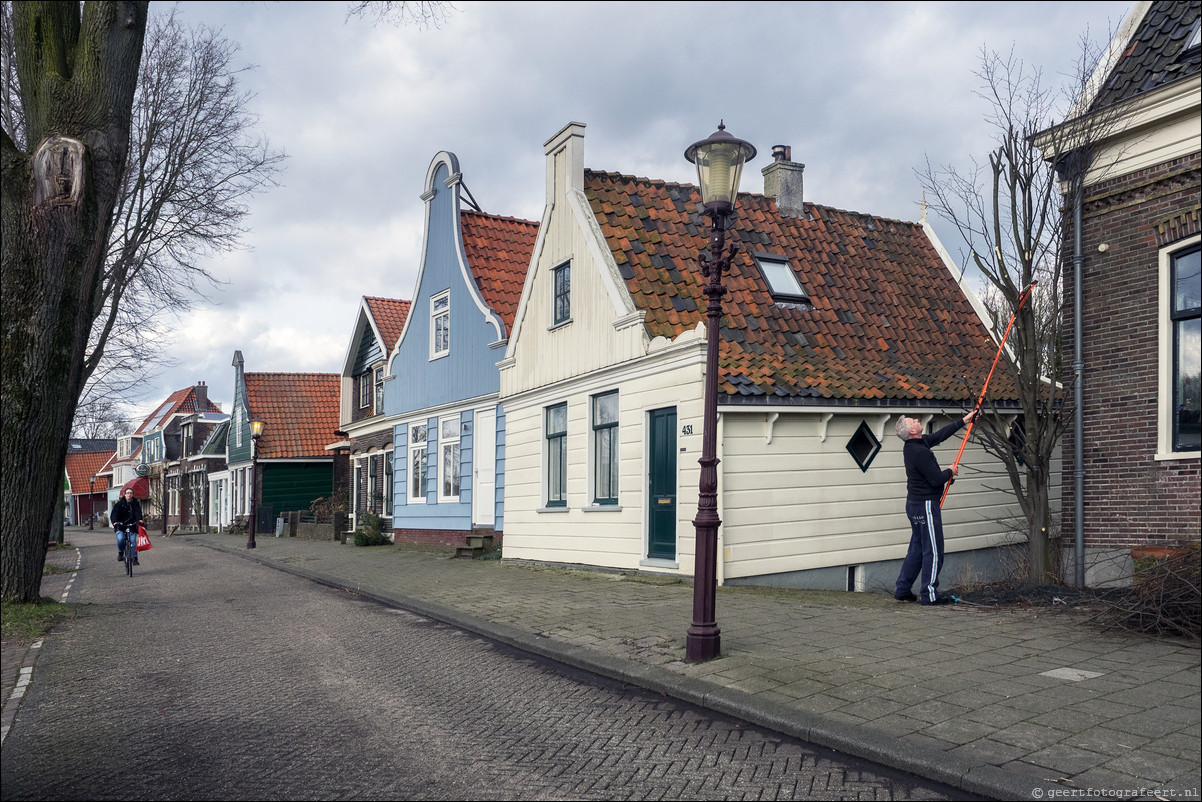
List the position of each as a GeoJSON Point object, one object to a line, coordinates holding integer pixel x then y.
{"type": "Point", "coordinates": [449, 430]}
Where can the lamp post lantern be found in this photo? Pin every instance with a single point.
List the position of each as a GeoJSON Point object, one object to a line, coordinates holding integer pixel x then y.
{"type": "Point", "coordinates": [256, 431]}
{"type": "Point", "coordinates": [719, 160]}
{"type": "Point", "coordinates": [91, 503]}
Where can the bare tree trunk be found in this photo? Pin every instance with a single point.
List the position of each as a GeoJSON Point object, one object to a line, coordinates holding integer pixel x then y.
{"type": "Point", "coordinates": [78, 74]}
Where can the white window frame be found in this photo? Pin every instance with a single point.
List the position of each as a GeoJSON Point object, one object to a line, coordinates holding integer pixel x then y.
{"type": "Point", "coordinates": [549, 463]}
{"type": "Point", "coordinates": [413, 448]}
{"type": "Point", "coordinates": [357, 483]}
{"type": "Point", "coordinates": [598, 431]}
{"type": "Point", "coordinates": [377, 380]}
{"type": "Point", "coordinates": [1164, 443]}
{"type": "Point", "coordinates": [389, 479]}
{"type": "Point", "coordinates": [364, 380]}
{"type": "Point", "coordinates": [438, 314]}
{"type": "Point", "coordinates": [448, 438]}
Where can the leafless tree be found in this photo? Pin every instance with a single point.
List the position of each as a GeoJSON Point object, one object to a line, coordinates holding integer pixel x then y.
{"type": "Point", "coordinates": [422, 13]}
{"type": "Point", "coordinates": [180, 197]}
{"type": "Point", "coordinates": [100, 240]}
{"type": "Point", "coordinates": [1007, 211]}
{"type": "Point", "coordinates": [101, 417]}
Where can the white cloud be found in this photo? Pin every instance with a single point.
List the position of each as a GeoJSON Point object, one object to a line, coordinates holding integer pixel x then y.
{"type": "Point", "coordinates": [863, 92]}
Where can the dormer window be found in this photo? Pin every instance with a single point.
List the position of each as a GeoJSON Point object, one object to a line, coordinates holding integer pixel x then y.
{"type": "Point", "coordinates": [781, 278]}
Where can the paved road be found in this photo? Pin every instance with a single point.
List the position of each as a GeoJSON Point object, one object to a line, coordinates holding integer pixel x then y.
{"type": "Point", "coordinates": [207, 676]}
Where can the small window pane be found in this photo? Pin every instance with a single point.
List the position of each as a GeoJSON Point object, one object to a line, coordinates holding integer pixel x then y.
{"type": "Point", "coordinates": [417, 434]}
{"type": "Point", "coordinates": [449, 428]}
{"type": "Point", "coordinates": [1187, 281]}
{"type": "Point", "coordinates": [606, 408]}
{"type": "Point", "coordinates": [557, 419]}
{"type": "Point", "coordinates": [1187, 406]}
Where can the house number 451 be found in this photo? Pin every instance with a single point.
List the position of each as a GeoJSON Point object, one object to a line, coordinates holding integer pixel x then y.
{"type": "Point", "coordinates": [686, 429]}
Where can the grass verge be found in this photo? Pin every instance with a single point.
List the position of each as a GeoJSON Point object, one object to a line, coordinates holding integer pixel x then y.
{"type": "Point", "coordinates": [31, 621]}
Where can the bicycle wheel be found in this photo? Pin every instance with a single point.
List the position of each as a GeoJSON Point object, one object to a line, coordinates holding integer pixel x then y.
{"type": "Point", "coordinates": [131, 553]}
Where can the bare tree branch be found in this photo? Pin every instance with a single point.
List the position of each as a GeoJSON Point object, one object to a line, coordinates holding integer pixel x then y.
{"type": "Point", "coordinates": [1008, 213]}
{"type": "Point", "coordinates": [423, 13]}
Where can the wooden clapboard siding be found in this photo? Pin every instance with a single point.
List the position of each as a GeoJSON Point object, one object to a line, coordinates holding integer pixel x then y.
{"type": "Point", "coordinates": [799, 502]}
{"type": "Point", "coordinates": [583, 534]}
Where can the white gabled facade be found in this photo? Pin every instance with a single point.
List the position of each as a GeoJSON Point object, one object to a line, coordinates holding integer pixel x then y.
{"type": "Point", "coordinates": [602, 348]}
{"type": "Point", "coordinates": [796, 509]}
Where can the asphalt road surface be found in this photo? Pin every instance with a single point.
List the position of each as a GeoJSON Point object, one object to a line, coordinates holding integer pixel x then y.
{"type": "Point", "coordinates": [210, 677]}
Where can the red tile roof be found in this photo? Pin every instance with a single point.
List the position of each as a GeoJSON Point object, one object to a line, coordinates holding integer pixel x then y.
{"type": "Point", "coordinates": [389, 314]}
{"type": "Point", "coordinates": [82, 466]}
{"type": "Point", "coordinates": [180, 401]}
{"type": "Point", "coordinates": [887, 319]}
{"type": "Point", "coordinates": [498, 252]}
{"type": "Point", "coordinates": [299, 412]}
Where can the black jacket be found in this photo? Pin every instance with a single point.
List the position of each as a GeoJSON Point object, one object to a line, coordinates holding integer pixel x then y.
{"type": "Point", "coordinates": [126, 514]}
{"type": "Point", "coordinates": [924, 480]}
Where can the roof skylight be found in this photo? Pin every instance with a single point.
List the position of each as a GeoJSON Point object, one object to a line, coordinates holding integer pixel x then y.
{"type": "Point", "coordinates": [782, 280]}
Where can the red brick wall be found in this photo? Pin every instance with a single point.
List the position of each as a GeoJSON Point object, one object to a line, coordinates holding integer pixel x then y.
{"type": "Point", "coordinates": [440, 537]}
{"type": "Point", "coordinates": [1130, 498]}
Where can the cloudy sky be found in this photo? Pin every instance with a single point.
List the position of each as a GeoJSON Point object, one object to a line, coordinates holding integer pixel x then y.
{"type": "Point", "coordinates": [864, 93]}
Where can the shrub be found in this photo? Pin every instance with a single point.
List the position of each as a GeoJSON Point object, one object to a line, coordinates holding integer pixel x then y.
{"type": "Point", "coordinates": [368, 532]}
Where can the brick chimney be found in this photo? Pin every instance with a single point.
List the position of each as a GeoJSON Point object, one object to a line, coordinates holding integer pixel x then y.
{"type": "Point", "coordinates": [201, 394]}
{"type": "Point", "coordinates": [782, 181]}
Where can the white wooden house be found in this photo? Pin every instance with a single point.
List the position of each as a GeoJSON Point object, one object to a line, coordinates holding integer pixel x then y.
{"type": "Point", "coordinates": [835, 324]}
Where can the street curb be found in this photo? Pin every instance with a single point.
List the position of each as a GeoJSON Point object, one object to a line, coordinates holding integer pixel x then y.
{"type": "Point", "coordinates": [887, 750]}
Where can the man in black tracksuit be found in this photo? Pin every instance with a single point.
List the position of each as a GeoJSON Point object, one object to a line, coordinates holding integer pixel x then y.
{"type": "Point", "coordinates": [924, 489]}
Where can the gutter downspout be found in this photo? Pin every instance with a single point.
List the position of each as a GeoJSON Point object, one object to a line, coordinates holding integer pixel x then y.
{"type": "Point", "coordinates": [1074, 166]}
{"type": "Point", "coordinates": [1078, 394]}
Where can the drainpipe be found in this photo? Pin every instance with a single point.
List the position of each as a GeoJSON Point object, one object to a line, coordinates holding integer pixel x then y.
{"type": "Point", "coordinates": [1078, 393]}
{"type": "Point", "coordinates": [1073, 167]}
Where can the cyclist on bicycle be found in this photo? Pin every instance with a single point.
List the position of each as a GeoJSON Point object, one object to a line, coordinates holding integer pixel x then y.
{"type": "Point", "coordinates": [125, 518]}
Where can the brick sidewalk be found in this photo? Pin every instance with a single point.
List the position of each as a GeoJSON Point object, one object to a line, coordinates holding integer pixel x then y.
{"type": "Point", "coordinates": [999, 703]}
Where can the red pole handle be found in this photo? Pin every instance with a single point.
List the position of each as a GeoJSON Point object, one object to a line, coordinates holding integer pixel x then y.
{"type": "Point", "coordinates": [1022, 299]}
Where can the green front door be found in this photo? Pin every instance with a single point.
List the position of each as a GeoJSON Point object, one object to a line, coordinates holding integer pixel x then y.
{"type": "Point", "coordinates": [661, 484]}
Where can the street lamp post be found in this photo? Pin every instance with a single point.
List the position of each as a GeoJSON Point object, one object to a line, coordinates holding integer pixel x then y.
{"type": "Point", "coordinates": [719, 161]}
{"type": "Point", "coordinates": [256, 431]}
{"type": "Point", "coordinates": [91, 503]}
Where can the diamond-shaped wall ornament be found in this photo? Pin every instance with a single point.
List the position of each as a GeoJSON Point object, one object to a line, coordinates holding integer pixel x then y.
{"type": "Point", "coordinates": [863, 446]}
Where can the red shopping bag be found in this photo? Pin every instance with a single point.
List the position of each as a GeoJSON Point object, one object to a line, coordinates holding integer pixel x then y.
{"type": "Point", "coordinates": [143, 539]}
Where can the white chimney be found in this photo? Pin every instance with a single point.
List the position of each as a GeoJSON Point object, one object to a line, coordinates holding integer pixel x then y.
{"type": "Point", "coordinates": [783, 182]}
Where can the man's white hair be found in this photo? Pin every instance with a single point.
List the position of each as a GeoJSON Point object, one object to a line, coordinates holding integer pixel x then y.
{"type": "Point", "coordinates": [902, 429]}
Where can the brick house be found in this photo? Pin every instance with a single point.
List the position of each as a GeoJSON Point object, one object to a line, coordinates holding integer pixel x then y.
{"type": "Point", "coordinates": [1139, 297]}
{"type": "Point", "coordinates": [88, 472]}
{"type": "Point", "coordinates": [168, 437]}
{"type": "Point", "coordinates": [367, 481]}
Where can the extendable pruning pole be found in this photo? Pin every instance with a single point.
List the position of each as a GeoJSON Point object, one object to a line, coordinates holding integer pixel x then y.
{"type": "Point", "coordinates": [1022, 299]}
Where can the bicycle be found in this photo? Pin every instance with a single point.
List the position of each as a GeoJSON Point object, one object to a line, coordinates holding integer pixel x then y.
{"type": "Point", "coordinates": [131, 550]}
